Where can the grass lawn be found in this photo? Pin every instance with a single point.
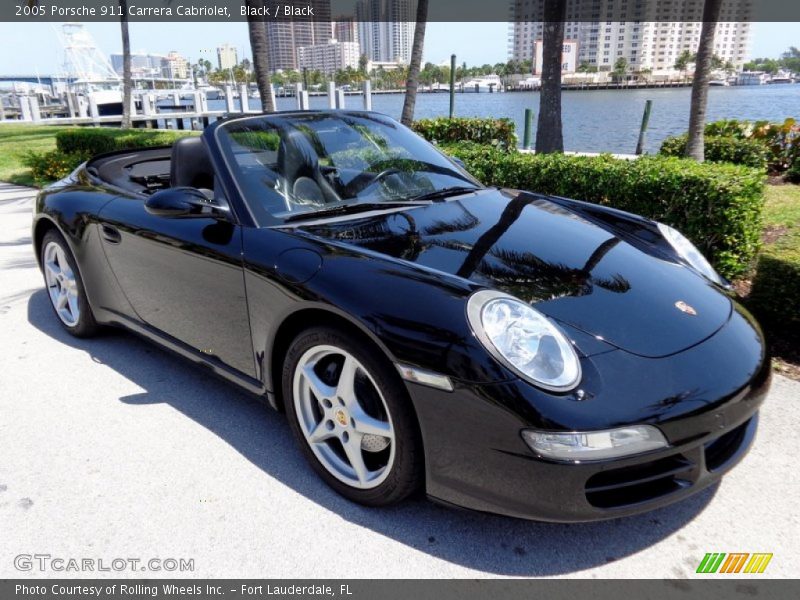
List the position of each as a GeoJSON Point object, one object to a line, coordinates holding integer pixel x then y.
{"type": "Point", "coordinates": [782, 208]}
{"type": "Point", "coordinates": [782, 237]}
{"type": "Point", "coordinates": [15, 142]}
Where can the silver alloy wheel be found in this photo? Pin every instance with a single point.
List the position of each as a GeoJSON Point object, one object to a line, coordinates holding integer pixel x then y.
{"type": "Point", "coordinates": [62, 284]}
{"type": "Point", "coordinates": [333, 419]}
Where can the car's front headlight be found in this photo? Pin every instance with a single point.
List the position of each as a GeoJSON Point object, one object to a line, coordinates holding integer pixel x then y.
{"type": "Point", "coordinates": [577, 446]}
{"type": "Point", "coordinates": [524, 340]}
{"type": "Point", "coordinates": [689, 252]}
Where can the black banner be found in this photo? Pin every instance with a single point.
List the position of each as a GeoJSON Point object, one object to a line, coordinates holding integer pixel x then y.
{"type": "Point", "coordinates": [438, 10]}
{"type": "Point", "coordinates": [740, 587]}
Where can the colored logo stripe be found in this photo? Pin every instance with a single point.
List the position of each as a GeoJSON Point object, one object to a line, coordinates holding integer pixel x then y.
{"type": "Point", "coordinates": [713, 562]}
{"type": "Point", "coordinates": [734, 562]}
{"type": "Point", "coordinates": [758, 563]}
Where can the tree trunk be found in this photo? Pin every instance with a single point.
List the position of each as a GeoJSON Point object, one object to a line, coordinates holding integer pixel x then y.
{"type": "Point", "coordinates": [127, 80]}
{"type": "Point", "coordinates": [412, 81]}
{"type": "Point", "coordinates": [549, 135]}
{"type": "Point", "coordinates": [258, 45]}
{"type": "Point", "coordinates": [695, 147]}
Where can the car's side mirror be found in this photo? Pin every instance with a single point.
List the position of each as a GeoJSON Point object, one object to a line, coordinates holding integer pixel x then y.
{"type": "Point", "coordinates": [181, 202]}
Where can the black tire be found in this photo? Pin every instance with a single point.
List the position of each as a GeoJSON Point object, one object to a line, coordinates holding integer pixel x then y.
{"type": "Point", "coordinates": [86, 326]}
{"type": "Point", "coordinates": [407, 470]}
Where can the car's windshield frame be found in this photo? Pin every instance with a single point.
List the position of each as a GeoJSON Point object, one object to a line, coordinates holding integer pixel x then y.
{"type": "Point", "coordinates": [265, 218]}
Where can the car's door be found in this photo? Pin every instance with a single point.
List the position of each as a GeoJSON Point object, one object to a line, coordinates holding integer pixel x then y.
{"type": "Point", "coordinates": [182, 276]}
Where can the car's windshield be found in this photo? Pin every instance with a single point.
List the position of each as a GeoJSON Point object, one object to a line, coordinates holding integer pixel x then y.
{"type": "Point", "coordinates": [290, 165]}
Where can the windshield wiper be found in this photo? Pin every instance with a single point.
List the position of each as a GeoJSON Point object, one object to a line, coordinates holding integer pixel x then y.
{"type": "Point", "coordinates": [348, 209]}
{"type": "Point", "coordinates": [444, 193]}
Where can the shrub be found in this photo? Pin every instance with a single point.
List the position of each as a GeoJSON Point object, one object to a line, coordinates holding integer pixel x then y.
{"type": "Point", "coordinates": [793, 173]}
{"type": "Point", "coordinates": [718, 206]}
{"type": "Point", "coordinates": [779, 143]}
{"type": "Point", "coordinates": [90, 141]}
{"type": "Point", "coordinates": [74, 146]}
{"type": "Point", "coordinates": [494, 132]}
{"type": "Point", "coordinates": [782, 142]}
{"type": "Point", "coordinates": [775, 295]}
{"type": "Point", "coordinates": [51, 166]}
{"type": "Point", "coordinates": [739, 151]}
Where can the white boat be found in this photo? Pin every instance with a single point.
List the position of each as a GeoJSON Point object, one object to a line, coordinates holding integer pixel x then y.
{"type": "Point", "coordinates": [90, 71]}
{"type": "Point", "coordinates": [486, 83]}
{"type": "Point", "coordinates": [530, 83]}
{"type": "Point", "coordinates": [781, 77]}
{"type": "Point", "coordinates": [752, 78]}
{"type": "Point", "coordinates": [719, 83]}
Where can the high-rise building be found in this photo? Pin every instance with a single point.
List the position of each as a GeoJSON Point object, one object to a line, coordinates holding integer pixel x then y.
{"type": "Point", "coordinates": [345, 29]}
{"type": "Point", "coordinates": [175, 66]}
{"type": "Point", "coordinates": [329, 57]}
{"type": "Point", "coordinates": [227, 57]}
{"type": "Point", "coordinates": [648, 41]}
{"type": "Point", "coordinates": [386, 29]}
{"type": "Point", "coordinates": [285, 36]}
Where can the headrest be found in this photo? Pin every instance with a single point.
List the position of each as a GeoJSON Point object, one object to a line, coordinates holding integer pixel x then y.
{"type": "Point", "coordinates": [191, 165]}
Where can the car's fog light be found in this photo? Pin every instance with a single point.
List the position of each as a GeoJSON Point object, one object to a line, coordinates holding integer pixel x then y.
{"type": "Point", "coordinates": [594, 445]}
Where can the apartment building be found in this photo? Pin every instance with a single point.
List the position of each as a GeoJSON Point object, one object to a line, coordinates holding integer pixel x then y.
{"type": "Point", "coordinates": [286, 36]}
{"type": "Point", "coordinates": [329, 57]}
{"type": "Point", "coordinates": [649, 41]}
{"type": "Point", "coordinates": [386, 29]}
{"type": "Point", "coordinates": [227, 57]}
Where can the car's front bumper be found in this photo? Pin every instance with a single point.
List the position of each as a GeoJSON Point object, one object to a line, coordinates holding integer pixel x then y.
{"type": "Point", "coordinates": [705, 401]}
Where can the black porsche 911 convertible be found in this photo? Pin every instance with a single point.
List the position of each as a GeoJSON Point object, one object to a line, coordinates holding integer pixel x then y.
{"type": "Point", "coordinates": [501, 350]}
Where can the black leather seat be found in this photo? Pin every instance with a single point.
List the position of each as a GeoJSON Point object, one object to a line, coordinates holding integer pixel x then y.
{"type": "Point", "coordinates": [191, 165]}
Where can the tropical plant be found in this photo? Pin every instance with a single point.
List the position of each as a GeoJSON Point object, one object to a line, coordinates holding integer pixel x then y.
{"type": "Point", "coordinates": [549, 135]}
{"type": "Point", "coordinates": [412, 82]}
{"type": "Point", "coordinates": [127, 78]}
{"type": "Point", "coordinates": [702, 74]}
{"type": "Point", "coordinates": [258, 45]}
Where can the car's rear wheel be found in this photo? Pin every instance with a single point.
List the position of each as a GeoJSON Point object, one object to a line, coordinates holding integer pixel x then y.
{"type": "Point", "coordinates": [65, 287]}
{"type": "Point", "coordinates": [352, 418]}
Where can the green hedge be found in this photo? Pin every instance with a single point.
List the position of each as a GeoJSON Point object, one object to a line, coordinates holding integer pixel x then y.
{"type": "Point", "coordinates": [89, 141]}
{"type": "Point", "coordinates": [775, 295]}
{"type": "Point", "coordinates": [718, 206]}
{"type": "Point", "coordinates": [750, 153]}
{"type": "Point", "coordinates": [493, 132]}
{"type": "Point", "coordinates": [77, 145]}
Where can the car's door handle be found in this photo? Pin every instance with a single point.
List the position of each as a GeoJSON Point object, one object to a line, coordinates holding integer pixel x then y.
{"type": "Point", "coordinates": [110, 234]}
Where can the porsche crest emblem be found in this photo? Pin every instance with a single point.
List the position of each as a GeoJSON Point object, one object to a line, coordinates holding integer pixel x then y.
{"type": "Point", "coordinates": [685, 308]}
{"type": "Point", "coordinates": [341, 417]}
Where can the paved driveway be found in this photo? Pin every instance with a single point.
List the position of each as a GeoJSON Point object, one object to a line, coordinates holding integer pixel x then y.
{"type": "Point", "coordinates": [111, 448]}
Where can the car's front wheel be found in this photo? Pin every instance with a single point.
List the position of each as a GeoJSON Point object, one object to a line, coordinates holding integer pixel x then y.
{"type": "Point", "coordinates": [65, 286]}
{"type": "Point", "coordinates": [352, 417]}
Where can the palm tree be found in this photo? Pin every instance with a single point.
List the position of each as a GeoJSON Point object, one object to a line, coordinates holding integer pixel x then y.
{"type": "Point", "coordinates": [127, 79]}
{"type": "Point", "coordinates": [549, 135]}
{"type": "Point", "coordinates": [258, 45]}
{"type": "Point", "coordinates": [412, 81]}
{"type": "Point", "coordinates": [695, 147]}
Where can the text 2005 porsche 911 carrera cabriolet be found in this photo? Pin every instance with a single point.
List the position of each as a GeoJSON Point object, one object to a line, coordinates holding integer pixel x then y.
{"type": "Point", "coordinates": [499, 349]}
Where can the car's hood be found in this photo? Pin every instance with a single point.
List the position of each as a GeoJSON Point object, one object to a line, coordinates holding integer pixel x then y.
{"type": "Point", "coordinates": [573, 270]}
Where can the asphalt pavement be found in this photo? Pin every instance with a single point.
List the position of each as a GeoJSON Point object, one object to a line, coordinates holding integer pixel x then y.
{"type": "Point", "coordinates": [111, 448]}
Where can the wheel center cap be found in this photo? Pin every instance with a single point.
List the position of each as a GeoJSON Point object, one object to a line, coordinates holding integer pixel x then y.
{"type": "Point", "coordinates": [341, 417]}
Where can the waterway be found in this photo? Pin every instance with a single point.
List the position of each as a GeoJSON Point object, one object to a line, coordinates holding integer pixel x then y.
{"type": "Point", "coordinates": [597, 120]}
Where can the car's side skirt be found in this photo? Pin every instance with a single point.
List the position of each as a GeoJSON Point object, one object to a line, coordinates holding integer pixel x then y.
{"type": "Point", "coordinates": [212, 363]}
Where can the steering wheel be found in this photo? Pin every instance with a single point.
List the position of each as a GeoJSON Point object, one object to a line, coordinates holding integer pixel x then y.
{"type": "Point", "coordinates": [359, 185]}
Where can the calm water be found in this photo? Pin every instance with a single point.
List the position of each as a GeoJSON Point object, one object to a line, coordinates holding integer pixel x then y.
{"type": "Point", "coordinates": [596, 121]}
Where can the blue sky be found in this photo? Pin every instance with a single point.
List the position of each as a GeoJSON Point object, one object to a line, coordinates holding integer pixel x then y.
{"type": "Point", "coordinates": [38, 48]}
